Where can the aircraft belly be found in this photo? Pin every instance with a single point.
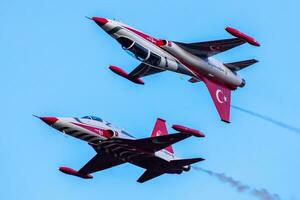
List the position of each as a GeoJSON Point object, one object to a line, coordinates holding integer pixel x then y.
{"type": "Point", "coordinates": [170, 54]}
{"type": "Point", "coordinates": [78, 133]}
{"type": "Point", "coordinates": [215, 73]}
{"type": "Point", "coordinates": [128, 153]}
{"type": "Point", "coordinates": [204, 67]}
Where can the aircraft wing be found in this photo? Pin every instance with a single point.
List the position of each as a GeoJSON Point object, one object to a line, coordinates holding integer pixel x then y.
{"type": "Point", "coordinates": [144, 70]}
{"type": "Point", "coordinates": [139, 72]}
{"type": "Point", "coordinates": [157, 143]}
{"type": "Point", "coordinates": [100, 162]}
{"type": "Point", "coordinates": [149, 174]}
{"type": "Point", "coordinates": [151, 144]}
{"type": "Point", "coordinates": [210, 48]}
{"type": "Point", "coordinates": [221, 98]}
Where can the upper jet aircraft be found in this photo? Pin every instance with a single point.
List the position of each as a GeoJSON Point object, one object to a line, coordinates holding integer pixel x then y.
{"type": "Point", "coordinates": [192, 59]}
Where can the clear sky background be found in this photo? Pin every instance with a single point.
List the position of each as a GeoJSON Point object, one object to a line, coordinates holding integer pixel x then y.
{"type": "Point", "coordinates": [54, 62]}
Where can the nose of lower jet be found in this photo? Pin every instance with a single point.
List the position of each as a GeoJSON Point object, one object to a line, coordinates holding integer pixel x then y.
{"type": "Point", "coordinates": [49, 120]}
{"type": "Point", "coordinates": [100, 21]}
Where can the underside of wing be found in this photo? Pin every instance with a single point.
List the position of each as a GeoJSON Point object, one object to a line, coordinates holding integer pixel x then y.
{"type": "Point", "coordinates": [151, 144]}
{"type": "Point", "coordinates": [210, 48]}
{"type": "Point", "coordinates": [140, 71]}
{"type": "Point", "coordinates": [157, 143]}
{"type": "Point", "coordinates": [148, 175]}
{"type": "Point", "coordinates": [100, 162]}
{"type": "Point", "coordinates": [144, 70]}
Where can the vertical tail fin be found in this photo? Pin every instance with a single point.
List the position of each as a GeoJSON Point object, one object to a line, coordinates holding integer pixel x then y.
{"type": "Point", "coordinates": [221, 98]}
{"type": "Point", "coordinates": [161, 129]}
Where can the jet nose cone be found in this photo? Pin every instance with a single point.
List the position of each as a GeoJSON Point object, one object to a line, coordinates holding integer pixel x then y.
{"type": "Point", "coordinates": [49, 120]}
{"type": "Point", "coordinates": [100, 21]}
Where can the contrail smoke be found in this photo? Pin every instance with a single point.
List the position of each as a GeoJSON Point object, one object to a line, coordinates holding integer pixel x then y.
{"type": "Point", "coordinates": [261, 194]}
{"type": "Point", "coordinates": [269, 119]}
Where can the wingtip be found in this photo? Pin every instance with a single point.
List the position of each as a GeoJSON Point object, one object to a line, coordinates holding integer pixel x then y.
{"type": "Point", "coordinates": [140, 180]}
{"type": "Point", "coordinates": [187, 130]}
{"type": "Point", "coordinates": [121, 72]}
{"type": "Point", "coordinates": [242, 35]}
{"type": "Point", "coordinates": [73, 172]}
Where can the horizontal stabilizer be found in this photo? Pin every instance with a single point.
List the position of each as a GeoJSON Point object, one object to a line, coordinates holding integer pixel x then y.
{"type": "Point", "coordinates": [184, 162]}
{"type": "Point", "coordinates": [236, 66]}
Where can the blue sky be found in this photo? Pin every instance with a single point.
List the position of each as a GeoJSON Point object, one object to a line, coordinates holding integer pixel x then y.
{"type": "Point", "coordinates": [54, 63]}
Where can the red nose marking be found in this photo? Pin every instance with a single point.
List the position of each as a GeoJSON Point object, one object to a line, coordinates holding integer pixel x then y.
{"type": "Point", "coordinates": [100, 21]}
{"type": "Point", "coordinates": [49, 120]}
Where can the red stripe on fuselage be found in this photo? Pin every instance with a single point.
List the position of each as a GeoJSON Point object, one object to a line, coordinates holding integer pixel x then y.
{"type": "Point", "coordinates": [159, 43]}
{"type": "Point", "coordinates": [145, 36]}
{"type": "Point", "coordinates": [98, 131]}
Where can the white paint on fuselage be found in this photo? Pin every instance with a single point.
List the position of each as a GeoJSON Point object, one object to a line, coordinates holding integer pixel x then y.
{"type": "Point", "coordinates": [125, 32]}
{"type": "Point", "coordinates": [211, 68]}
{"type": "Point", "coordinates": [68, 122]}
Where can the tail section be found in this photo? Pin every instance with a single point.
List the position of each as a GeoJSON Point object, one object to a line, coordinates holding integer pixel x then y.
{"type": "Point", "coordinates": [221, 98]}
{"type": "Point", "coordinates": [185, 162]}
{"type": "Point", "coordinates": [161, 129]}
{"type": "Point", "coordinates": [236, 66]}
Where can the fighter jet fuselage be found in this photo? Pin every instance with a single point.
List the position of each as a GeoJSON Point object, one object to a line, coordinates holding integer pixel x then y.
{"type": "Point", "coordinates": [167, 55]}
{"type": "Point", "coordinates": [192, 59]}
{"type": "Point", "coordinates": [114, 146]}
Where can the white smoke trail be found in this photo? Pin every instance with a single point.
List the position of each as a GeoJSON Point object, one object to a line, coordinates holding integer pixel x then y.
{"type": "Point", "coordinates": [269, 119]}
{"type": "Point", "coordinates": [261, 194]}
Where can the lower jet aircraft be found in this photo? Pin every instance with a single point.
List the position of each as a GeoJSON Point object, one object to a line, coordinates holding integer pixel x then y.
{"type": "Point", "coordinates": [115, 146]}
{"type": "Point", "coordinates": [192, 59]}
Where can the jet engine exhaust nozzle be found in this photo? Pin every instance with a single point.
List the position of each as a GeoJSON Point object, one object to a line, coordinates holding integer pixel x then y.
{"type": "Point", "coordinates": [186, 168]}
{"type": "Point", "coordinates": [243, 83]}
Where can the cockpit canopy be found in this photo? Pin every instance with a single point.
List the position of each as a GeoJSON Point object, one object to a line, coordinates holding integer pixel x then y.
{"type": "Point", "coordinates": [125, 42]}
{"type": "Point", "coordinates": [133, 48]}
{"type": "Point", "coordinates": [93, 118]}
